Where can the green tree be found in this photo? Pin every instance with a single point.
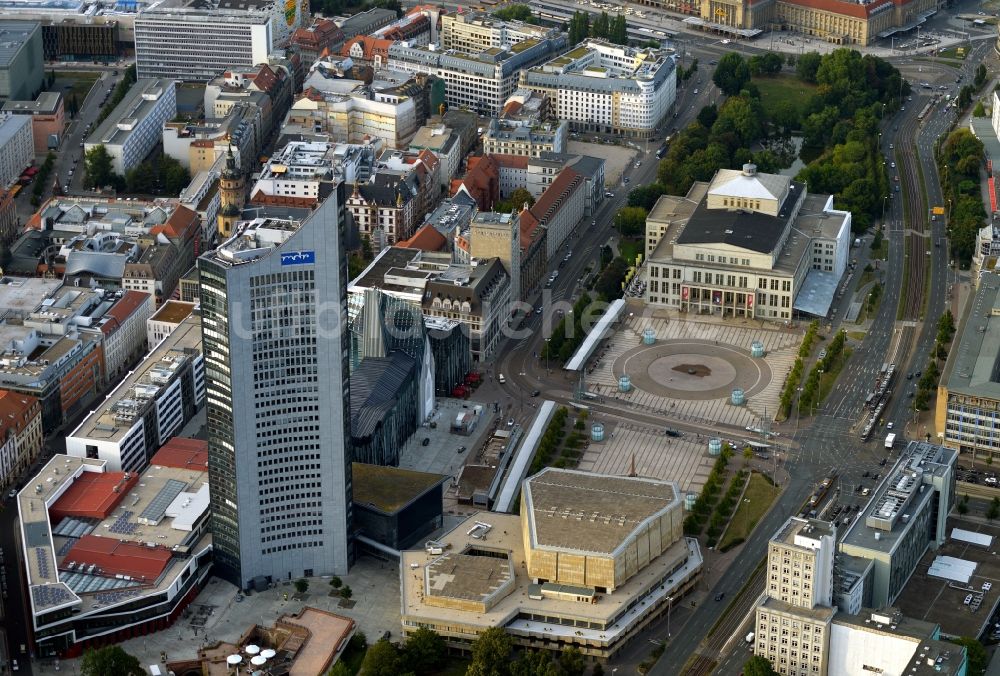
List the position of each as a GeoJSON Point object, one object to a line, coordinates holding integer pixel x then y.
{"type": "Point", "coordinates": [98, 168]}
{"type": "Point", "coordinates": [534, 663]}
{"type": "Point", "coordinates": [994, 509]}
{"type": "Point", "coordinates": [631, 221]}
{"type": "Point", "coordinates": [571, 662]}
{"type": "Point", "coordinates": [515, 201]}
{"type": "Point", "coordinates": [490, 654]}
{"type": "Point", "coordinates": [346, 592]}
{"type": "Point", "coordinates": [389, 4]}
{"type": "Point", "coordinates": [579, 27]}
{"type": "Point", "coordinates": [979, 110]}
{"type": "Point", "coordinates": [336, 582]}
{"type": "Point", "coordinates": [976, 655]}
{"type": "Point", "coordinates": [110, 661]}
{"type": "Point", "coordinates": [708, 115]}
{"type": "Point", "coordinates": [382, 659]}
{"type": "Point", "coordinates": [601, 26]}
{"type": "Point", "coordinates": [732, 74]}
{"type": "Point", "coordinates": [979, 79]}
{"type": "Point", "coordinates": [758, 666]}
{"type": "Point", "coordinates": [963, 505]}
{"type": "Point", "coordinates": [598, 670]}
{"type": "Point", "coordinates": [645, 196]}
{"type": "Point", "coordinates": [807, 66]}
{"type": "Point", "coordinates": [174, 176]}
{"type": "Point", "coordinates": [515, 12]}
{"type": "Point", "coordinates": [618, 30]}
{"type": "Point", "coordinates": [424, 651]}
{"type": "Point", "coordinates": [302, 585]}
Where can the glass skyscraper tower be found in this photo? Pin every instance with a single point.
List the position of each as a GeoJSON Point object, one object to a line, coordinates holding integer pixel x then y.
{"type": "Point", "coordinates": [276, 350]}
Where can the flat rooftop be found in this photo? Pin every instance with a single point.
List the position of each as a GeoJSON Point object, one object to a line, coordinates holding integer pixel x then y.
{"type": "Point", "coordinates": [116, 414]}
{"type": "Point", "coordinates": [21, 295]}
{"type": "Point", "coordinates": [941, 601]}
{"type": "Point", "coordinates": [13, 35]}
{"type": "Point", "coordinates": [583, 512]}
{"type": "Point", "coordinates": [148, 521]}
{"type": "Point", "coordinates": [139, 102]}
{"type": "Point", "coordinates": [972, 363]}
{"type": "Point", "coordinates": [389, 489]}
{"type": "Point", "coordinates": [810, 528]}
{"type": "Point", "coordinates": [173, 312]}
{"type": "Point", "coordinates": [880, 525]}
{"type": "Point", "coordinates": [603, 622]}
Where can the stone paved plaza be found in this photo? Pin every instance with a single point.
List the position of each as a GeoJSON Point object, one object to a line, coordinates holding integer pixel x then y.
{"type": "Point", "coordinates": [687, 375]}
{"type": "Point", "coordinates": [691, 370]}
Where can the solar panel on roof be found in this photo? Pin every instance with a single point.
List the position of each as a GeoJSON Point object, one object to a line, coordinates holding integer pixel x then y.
{"type": "Point", "coordinates": [157, 508]}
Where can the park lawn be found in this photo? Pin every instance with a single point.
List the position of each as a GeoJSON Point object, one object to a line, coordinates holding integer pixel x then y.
{"type": "Point", "coordinates": [777, 88]}
{"type": "Point", "coordinates": [629, 248]}
{"type": "Point", "coordinates": [953, 53]}
{"type": "Point", "coordinates": [80, 83]}
{"type": "Point", "coordinates": [882, 252]}
{"type": "Point", "coordinates": [761, 494]}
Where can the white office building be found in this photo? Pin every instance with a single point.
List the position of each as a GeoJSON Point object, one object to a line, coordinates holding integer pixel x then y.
{"type": "Point", "coordinates": [17, 147]}
{"type": "Point", "coordinates": [135, 126]}
{"type": "Point", "coordinates": [148, 407]}
{"type": "Point", "coordinates": [601, 87]}
{"type": "Point", "coordinates": [481, 82]}
{"type": "Point", "coordinates": [192, 42]}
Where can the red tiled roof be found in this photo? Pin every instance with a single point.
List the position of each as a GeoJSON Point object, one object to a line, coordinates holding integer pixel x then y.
{"type": "Point", "coordinates": [511, 108]}
{"type": "Point", "coordinates": [369, 46]}
{"type": "Point", "coordinates": [13, 407]}
{"type": "Point", "coordinates": [426, 238]}
{"type": "Point", "coordinates": [115, 557]}
{"type": "Point", "coordinates": [130, 302]}
{"type": "Point", "coordinates": [265, 79]}
{"type": "Point", "coordinates": [428, 158]}
{"type": "Point", "coordinates": [553, 195]}
{"type": "Point", "coordinates": [528, 224]}
{"type": "Point", "coordinates": [481, 181]}
{"type": "Point", "coordinates": [182, 224]}
{"type": "Point", "coordinates": [92, 495]}
{"type": "Point", "coordinates": [183, 453]}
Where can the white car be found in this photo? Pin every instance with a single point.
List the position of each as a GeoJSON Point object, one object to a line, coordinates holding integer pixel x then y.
{"type": "Point", "coordinates": [725, 42]}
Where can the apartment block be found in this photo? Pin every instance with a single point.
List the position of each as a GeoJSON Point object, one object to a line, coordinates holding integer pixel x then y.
{"type": "Point", "coordinates": [123, 327]}
{"type": "Point", "coordinates": [20, 435]}
{"type": "Point", "coordinates": [135, 126]}
{"type": "Point", "coordinates": [48, 118]}
{"type": "Point", "coordinates": [473, 32]}
{"type": "Point", "coordinates": [166, 320]}
{"type": "Point", "coordinates": [148, 407]}
{"type": "Point", "coordinates": [607, 88]}
{"type": "Point", "coordinates": [352, 111]}
{"type": "Point", "coordinates": [482, 81]}
{"type": "Point", "coordinates": [17, 147]}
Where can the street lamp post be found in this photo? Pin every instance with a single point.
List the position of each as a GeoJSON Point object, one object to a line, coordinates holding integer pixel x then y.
{"type": "Point", "coordinates": [746, 518]}
{"type": "Point", "coordinates": [547, 355]}
{"type": "Point", "coordinates": [670, 605]}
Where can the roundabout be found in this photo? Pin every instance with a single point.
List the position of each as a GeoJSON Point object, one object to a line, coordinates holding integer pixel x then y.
{"type": "Point", "coordinates": [692, 370]}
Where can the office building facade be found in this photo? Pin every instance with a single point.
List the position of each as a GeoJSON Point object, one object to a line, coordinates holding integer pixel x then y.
{"type": "Point", "coordinates": [22, 65]}
{"type": "Point", "coordinates": [135, 126]}
{"type": "Point", "coordinates": [276, 345]}
{"type": "Point", "coordinates": [193, 44]}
